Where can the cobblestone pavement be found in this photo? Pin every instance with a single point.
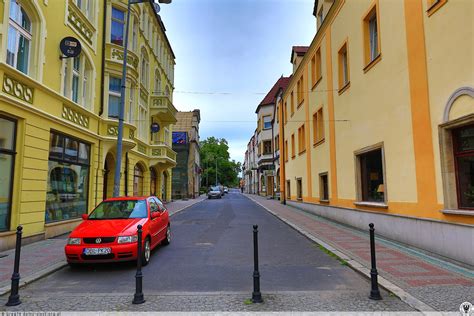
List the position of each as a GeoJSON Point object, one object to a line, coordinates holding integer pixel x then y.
{"type": "Point", "coordinates": [440, 288]}
{"type": "Point", "coordinates": [45, 256]}
{"type": "Point", "coordinates": [201, 302]}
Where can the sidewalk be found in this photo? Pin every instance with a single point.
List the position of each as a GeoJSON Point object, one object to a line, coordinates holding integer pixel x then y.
{"type": "Point", "coordinates": [424, 282]}
{"type": "Point", "coordinates": [44, 257]}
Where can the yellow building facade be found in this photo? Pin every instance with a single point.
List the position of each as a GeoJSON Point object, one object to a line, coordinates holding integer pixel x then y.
{"type": "Point", "coordinates": [378, 121]}
{"type": "Point", "coordinates": [59, 116]}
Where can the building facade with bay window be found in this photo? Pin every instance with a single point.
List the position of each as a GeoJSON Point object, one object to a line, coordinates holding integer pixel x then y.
{"type": "Point", "coordinates": [59, 116]}
{"type": "Point", "coordinates": [377, 121]}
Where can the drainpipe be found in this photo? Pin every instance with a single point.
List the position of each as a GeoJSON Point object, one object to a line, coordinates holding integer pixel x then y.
{"type": "Point", "coordinates": [282, 150]}
{"type": "Point", "coordinates": [102, 72]}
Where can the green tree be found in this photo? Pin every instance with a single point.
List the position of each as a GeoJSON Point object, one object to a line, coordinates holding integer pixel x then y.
{"type": "Point", "coordinates": [217, 149]}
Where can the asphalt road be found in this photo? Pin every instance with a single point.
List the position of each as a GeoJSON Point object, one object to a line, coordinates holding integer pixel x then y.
{"type": "Point", "coordinates": [212, 250]}
{"type": "Point", "coordinates": [209, 266]}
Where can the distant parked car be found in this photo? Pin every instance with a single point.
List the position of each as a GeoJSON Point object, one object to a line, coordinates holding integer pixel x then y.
{"type": "Point", "coordinates": [214, 192]}
{"type": "Point", "coordinates": [226, 190]}
{"type": "Point", "coordinates": [109, 233]}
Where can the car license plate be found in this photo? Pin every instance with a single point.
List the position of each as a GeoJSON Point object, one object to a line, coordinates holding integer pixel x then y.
{"type": "Point", "coordinates": [96, 251]}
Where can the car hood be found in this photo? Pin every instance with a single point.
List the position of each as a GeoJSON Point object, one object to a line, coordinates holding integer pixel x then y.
{"type": "Point", "coordinates": [108, 227]}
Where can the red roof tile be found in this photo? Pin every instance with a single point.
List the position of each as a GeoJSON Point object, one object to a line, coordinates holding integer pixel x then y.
{"type": "Point", "coordinates": [281, 83]}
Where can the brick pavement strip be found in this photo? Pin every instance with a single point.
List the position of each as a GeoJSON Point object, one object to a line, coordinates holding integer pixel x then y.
{"type": "Point", "coordinates": [420, 284]}
{"type": "Point", "coordinates": [47, 256]}
{"type": "Point", "coordinates": [215, 301]}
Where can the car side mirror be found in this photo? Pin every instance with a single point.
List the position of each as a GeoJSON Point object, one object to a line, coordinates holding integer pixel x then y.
{"type": "Point", "coordinates": [155, 214]}
{"type": "Point", "coordinates": [85, 217]}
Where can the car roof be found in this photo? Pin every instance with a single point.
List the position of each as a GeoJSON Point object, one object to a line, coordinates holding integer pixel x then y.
{"type": "Point", "coordinates": [129, 198]}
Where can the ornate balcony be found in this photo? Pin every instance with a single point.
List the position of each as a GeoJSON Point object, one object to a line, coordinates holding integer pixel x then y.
{"type": "Point", "coordinates": [163, 109]}
{"type": "Point", "coordinates": [109, 132]}
{"type": "Point", "coordinates": [162, 153]}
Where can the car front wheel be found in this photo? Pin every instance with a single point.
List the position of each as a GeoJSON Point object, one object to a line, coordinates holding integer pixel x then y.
{"type": "Point", "coordinates": [146, 253]}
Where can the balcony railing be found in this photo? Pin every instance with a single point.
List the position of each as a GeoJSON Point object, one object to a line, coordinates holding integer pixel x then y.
{"type": "Point", "coordinates": [162, 150]}
{"type": "Point", "coordinates": [161, 106]}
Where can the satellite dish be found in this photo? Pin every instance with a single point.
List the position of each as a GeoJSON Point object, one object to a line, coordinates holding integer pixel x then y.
{"type": "Point", "coordinates": [157, 7]}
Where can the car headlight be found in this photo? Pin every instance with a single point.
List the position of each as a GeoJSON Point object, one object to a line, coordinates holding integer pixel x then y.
{"type": "Point", "coordinates": [74, 241]}
{"type": "Point", "coordinates": [127, 239]}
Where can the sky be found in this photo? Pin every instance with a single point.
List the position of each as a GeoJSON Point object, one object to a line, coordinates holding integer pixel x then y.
{"type": "Point", "coordinates": [229, 53]}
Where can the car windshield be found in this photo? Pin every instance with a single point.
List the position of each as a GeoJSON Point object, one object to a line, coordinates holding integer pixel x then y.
{"type": "Point", "coordinates": [120, 210]}
{"type": "Point", "coordinates": [215, 189]}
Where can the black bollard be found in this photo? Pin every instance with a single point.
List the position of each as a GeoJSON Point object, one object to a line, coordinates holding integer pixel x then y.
{"type": "Point", "coordinates": [138, 297]}
{"type": "Point", "coordinates": [256, 295]}
{"type": "Point", "coordinates": [374, 292]}
{"type": "Point", "coordinates": [14, 298]}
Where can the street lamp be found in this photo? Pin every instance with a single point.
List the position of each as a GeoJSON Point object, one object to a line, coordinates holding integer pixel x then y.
{"type": "Point", "coordinates": [118, 163]}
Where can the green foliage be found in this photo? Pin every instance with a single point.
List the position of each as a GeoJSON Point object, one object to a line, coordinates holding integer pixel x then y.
{"type": "Point", "coordinates": [217, 149]}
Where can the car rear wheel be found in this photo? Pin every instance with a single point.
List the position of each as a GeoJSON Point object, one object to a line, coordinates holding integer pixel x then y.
{"type": "Point", "coordinates": [146, 253]}
{"type": "Point", "coordinates": [167, 239]}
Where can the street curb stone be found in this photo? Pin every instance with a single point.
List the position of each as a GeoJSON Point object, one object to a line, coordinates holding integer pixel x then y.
{"type": "Point", "coordinates": [356, 265]}
{"type": "Point", "coordinates": [61, 264]}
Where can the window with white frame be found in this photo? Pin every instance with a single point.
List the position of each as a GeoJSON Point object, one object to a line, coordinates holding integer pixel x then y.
{"type": "Point", "coordinates": [114, 96]}
{"type": "Point", "coordinates": [157, 88]}
{"type": "Point", "coordinates": [267, 122]}
{"type": "Point", "coordinates": [142, 120]}
{"type": "Point", "coordinates": [145, 69]}
{"type": "Point", "coordinates": [131, 103]}
{"type": "Point", "coordinates": [78, 80]}
{"type": "Point", "coordinates": [86, 7]}
{"type": "Point", "coordinates": [167, 137]}
{"type": "Point", "coordinates": [135, 35]}
{"type": "Point", "coordinates": [117, 29]}
{"type": "Point", "coordinates": [19, 37]}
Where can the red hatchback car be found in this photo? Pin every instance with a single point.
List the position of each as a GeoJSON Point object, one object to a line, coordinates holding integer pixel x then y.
{"type": "Point", "coordinates": [109, 233]}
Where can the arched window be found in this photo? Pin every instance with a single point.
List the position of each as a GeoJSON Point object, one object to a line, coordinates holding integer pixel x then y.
{"type": "Point", "coordinates": [77, 76]}
{"type": "Point", "coordinates": [19, 38]}
{"type": "Point", "coordinates": [137, 181]}
{"type": "Point", "coordinates": [145, 69]}
{"type": "Point", "coordinates": [153, 180]}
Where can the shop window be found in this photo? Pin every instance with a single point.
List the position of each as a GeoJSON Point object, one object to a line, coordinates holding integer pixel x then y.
{"type": "Point", "coordinates": [463, 141]}
{"type": "Point", "coordinates": [153, 181]}
{"type": "Point", "coordinates": [19, 39]}
{"type": "Point", "coordinates": [299, 189]}
{"type": "Point", "coordinates": [117, 29]}
{"type": "Point", "coordinates": [371, 184]}
{"type": "Point", "coordinates": [137, 181]}
{"type": "Point", "coordinates": [7, 163]}
{"type": "Point", "coordinates": [68, 178]}
{"type": "Point", "coordinates": [323, 187]}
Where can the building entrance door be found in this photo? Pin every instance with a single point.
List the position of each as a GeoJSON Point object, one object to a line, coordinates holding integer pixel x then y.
{"type": "Point", "coordinates": [269, 186]}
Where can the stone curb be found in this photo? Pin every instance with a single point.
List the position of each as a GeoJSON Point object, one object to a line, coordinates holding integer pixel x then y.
{"type": "Point", "coordinates": [61, 264]}
{"type": "Point", "coordinates": [35, 276]}
{"type": "Point", "coordinates": [187, 206]}
{"type": "Point", "coordinates": [356, 265]}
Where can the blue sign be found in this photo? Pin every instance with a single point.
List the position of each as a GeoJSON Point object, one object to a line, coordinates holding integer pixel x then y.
{"type": "Point", "coordinates": [180, 138]}
{"type": "Point", "coordinates": [155, 127]}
